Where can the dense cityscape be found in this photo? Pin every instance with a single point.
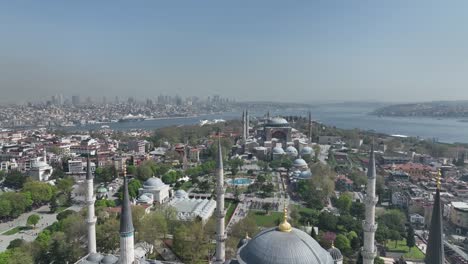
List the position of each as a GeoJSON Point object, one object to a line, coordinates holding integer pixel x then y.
{"type": "Point", "coordinates": [313, 174]}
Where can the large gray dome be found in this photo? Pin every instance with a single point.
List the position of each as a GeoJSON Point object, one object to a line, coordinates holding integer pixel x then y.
{"type": "Point", "coordinates": [153, 183]}
{"type": "Point", "coordinates": [272, 246]}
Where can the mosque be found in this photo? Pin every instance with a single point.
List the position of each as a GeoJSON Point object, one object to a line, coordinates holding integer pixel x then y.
{"type": "Point", "coordinates": [283, 244]}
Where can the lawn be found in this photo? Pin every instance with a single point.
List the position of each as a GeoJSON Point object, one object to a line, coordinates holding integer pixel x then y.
{"type": "Point", "coordinates": [264, 220]}
{"type": "Point", "coordinates": [15, 230]}
{"type": "Point", "coordinates": [414, 253]}
{"type": "Point", "coordinates": [230, 210]}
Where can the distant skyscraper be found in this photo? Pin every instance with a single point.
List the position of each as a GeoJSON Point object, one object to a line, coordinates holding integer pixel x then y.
{"type": "Point", "coordinates": [75, 100]}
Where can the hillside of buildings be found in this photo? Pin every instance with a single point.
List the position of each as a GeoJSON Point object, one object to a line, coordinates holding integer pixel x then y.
{"type": "Point", "coordinates": [451, 109]}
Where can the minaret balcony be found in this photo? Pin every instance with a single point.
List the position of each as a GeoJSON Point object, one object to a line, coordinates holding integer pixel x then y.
{"type": "Point", "coordinates": [369, 255]}
{"type": "Point", "coordinates": [221, 238]}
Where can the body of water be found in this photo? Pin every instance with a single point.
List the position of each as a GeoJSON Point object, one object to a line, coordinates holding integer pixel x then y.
{"type": "Point", "coordinates": [347, 117]}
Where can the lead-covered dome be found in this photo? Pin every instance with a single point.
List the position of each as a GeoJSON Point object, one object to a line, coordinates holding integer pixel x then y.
{"type": "Point", "coordinates": [273, 246]}
{"type": "Point", "coordinates": [277, 122]}
{"type": "Point", "coordinates": [278, 150]}
{"type": "Point", "coordinates": [291, 151]}
{"type": "Point", "coordinates": [300, 163]}
{"type": "Point", "coordinates": [335, 253]}
{"type": "Point", "coordinates": [307, 151]}
{"type": "Point", "coordinates": [153, 183]}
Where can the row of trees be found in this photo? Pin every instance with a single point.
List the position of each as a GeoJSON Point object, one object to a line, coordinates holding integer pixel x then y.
{"type": "Point", "coordinates": [34, 194]}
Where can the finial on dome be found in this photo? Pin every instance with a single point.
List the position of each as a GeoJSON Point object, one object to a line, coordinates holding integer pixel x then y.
{"type": "Point", "coordinates": [285, 226]}
{"type": "Point", "coordinates": [247, 235]}
{"type": "Point", "coordinates": [333, 244]}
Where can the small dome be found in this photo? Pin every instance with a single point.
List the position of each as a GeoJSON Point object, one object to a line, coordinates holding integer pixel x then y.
{"type": "Point", "coordinates": [297, 173]}
{"type": "Point", "coordinates": [278, 150]}
{"type": "Point", "coordinates": [305, 175]}
{"type": "Point", "coordinates": [153, 183]}
{"type": "Point", "coordinates": [276, 247]}
{"type": "Point", "coordinates": [300, 162]}
{"type": "Point", "coordinates": [291, 151]}
{"type": "Point", "coordinates": [307, 151]}
{"type": "Point", "coordinates": [146, 198]}
{"type": "Point", "coordinates": [102, 189]}
{"type": "Point", "coordinates": [94, 257]}
{"type": "Point", "coordinates": [109, 259]}
{"type": "Point", "coordinates": [180, 194]}
{"type": "Point", "coordinates": [335, 253]}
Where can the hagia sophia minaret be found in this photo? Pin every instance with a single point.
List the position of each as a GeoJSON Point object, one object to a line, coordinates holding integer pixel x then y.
{"type": "Point", "coordinates": [243, 127]}
{"type": "Point", "coordinates": [220, 233]}
{"type": "Point", "coordinates": [127, 251]}
{"type": "Point", "coordinates": [310, 127]}
{"type": "Point", "coordinates": [90, 199]}
{"type": "Point", "coordinates": [369, 251]}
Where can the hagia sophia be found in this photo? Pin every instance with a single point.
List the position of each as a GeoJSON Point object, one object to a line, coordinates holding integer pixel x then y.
{"type": "Point", "coordinates": [283, 244]}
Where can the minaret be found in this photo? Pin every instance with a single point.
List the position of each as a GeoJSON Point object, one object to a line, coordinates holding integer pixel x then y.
{"type": "Point", "coordinates": [127, 254]}
{"type": "Point", "coordinates": [310, 127]}
{"type": "Point", "coordinates": [220, 233]}
{"type": "Point", "coordinates": [435, 244]}
{"type": "Point", "coordinates": [247, 123]}
{"type": "Point", "coordinates": [243, 126]}
{"type": "Point", "coordinates": [90, 199]}
{"type": "Point", "coordinates": [369, 252]}
{"type": "Point", "coordinates": [44, 155]}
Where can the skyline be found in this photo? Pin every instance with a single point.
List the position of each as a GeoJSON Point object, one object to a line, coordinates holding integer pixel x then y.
{"type": "Point", "coordinates": [264, 51]}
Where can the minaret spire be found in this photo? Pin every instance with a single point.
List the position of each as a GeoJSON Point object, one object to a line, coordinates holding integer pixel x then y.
{"type": "Point", "coordinates": [243, 126]}
{"type": "Point", "coordinates": [127, 252]}
{"type": "Point", "coordinates": [220, 233]}
{"type": "Point", "coordinates": [310, 127]}
{"type": "Point", "coordinates": [435, 246]}
{"type": "Point", "coordinates": [247, 124]}
{"type": "Point", "coordinates": [369, 252]}
{"type": "Point", "coordinates": [90, 199]}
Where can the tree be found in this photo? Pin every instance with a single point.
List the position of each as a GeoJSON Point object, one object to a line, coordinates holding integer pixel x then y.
{"type": "Point", "coordinates": [33, 220]}
{"type": "Point", "coordinates": [316, 152]}
{"type": "Point", "coordinates": [327, 221]}
{"type": "Point", "coordinates": [358, 210]}
{"type": "Point", "coordinates": [41, 192]}
{"type": "Point", "coordinates": [343, 243]}
{"type": "Point", "coordinates": [395, 236]}
{"type": "Point", "coordinates": [266, 207]}
{"type": "Point", "coordinates": [235, 165]}
{"type": "Point", "coordinates": [107, 237]}
{"type": "Point", "coordinates": [144, 172]}
{"type": "Point", "coordinates": [105, 174]}
{"type": "Point", "coordinates": [154, 226]}
{"type": "Point", "coordinates": [344, 203]}
{"type": "Point", "coordinates": [16, 243]}
{"type": "Point", "coordinates": [410, 241]}
{"type": "Point", "coordinates": [5, 208]}
{"type": "Point", "coordinates": [15, 179]}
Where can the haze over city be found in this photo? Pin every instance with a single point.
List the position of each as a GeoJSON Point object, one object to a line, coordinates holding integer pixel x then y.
{"type": "Point", "coordinates": [298, 51]}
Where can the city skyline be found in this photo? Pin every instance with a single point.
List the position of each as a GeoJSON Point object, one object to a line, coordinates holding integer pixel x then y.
{"type": "Point", "coordinates": [261, 51]}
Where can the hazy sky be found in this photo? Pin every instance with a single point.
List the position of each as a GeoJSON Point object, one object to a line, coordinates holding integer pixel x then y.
{"type": "Point", "coordinates": [257, 50]}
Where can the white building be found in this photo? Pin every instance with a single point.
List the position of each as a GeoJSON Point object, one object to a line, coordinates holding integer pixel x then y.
{"type": "Point", "coordinates": [189, 209]}
{"type": "Point", "coordinates": [416, 219]}
{"type": "Point", "coordinates": [158, 190]}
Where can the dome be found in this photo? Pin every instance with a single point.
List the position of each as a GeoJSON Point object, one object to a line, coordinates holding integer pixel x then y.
{"type": "Point", "coordinates": [153, 183]}
{"type": "Point", "coordinates": [291, 151]}
{"type": "Point", "coordinates": [278, 122]}
{"type": "Point", "coordinates": [307, 151]}
{"type": "Point", "coordinates": [102, 189]}
{"type": "Point", "coordinates": [300, 163]}
{"type": "Point", "coordinates": [94, 257]}
{"type": "Point", "coordinates": [276, 247]}
{"type": "Point", "coordinates": [278, 150]}
{"type": "Point", "coordinates": [146, 198]}
{"type": "Point", "coordinates": [335, 253]}
{"type": "Point", "coordinates": [297, 173]}
{"type": "Point", "coordinates": [305, 175]}
{"type": "Point", "coordinates": [109, 259]}
{"type": "Point", "coordinates": [181, 194]}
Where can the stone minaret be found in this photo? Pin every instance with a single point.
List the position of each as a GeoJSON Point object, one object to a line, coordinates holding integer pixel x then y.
{"type": "Point", "coordinates": [220, 235]}
{"type": "Point", "coordinates": [243, 127]}
{"type": "Point", "coordinates": [90, 199]}
{"type": "Point", "coordinates": [247, 123]}
{"type": "Point", "coordinates": [310, 127]}
{"type": "Point", "coordinates": [369, 252]}
{"type": "Point", "coordinates": [435, 245]}
{"type": "Point", "coordinates": [127, 253]}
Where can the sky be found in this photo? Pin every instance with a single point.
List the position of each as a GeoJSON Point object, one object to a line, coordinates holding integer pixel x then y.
{"type": "Point", "coordinates": [293, 51]}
